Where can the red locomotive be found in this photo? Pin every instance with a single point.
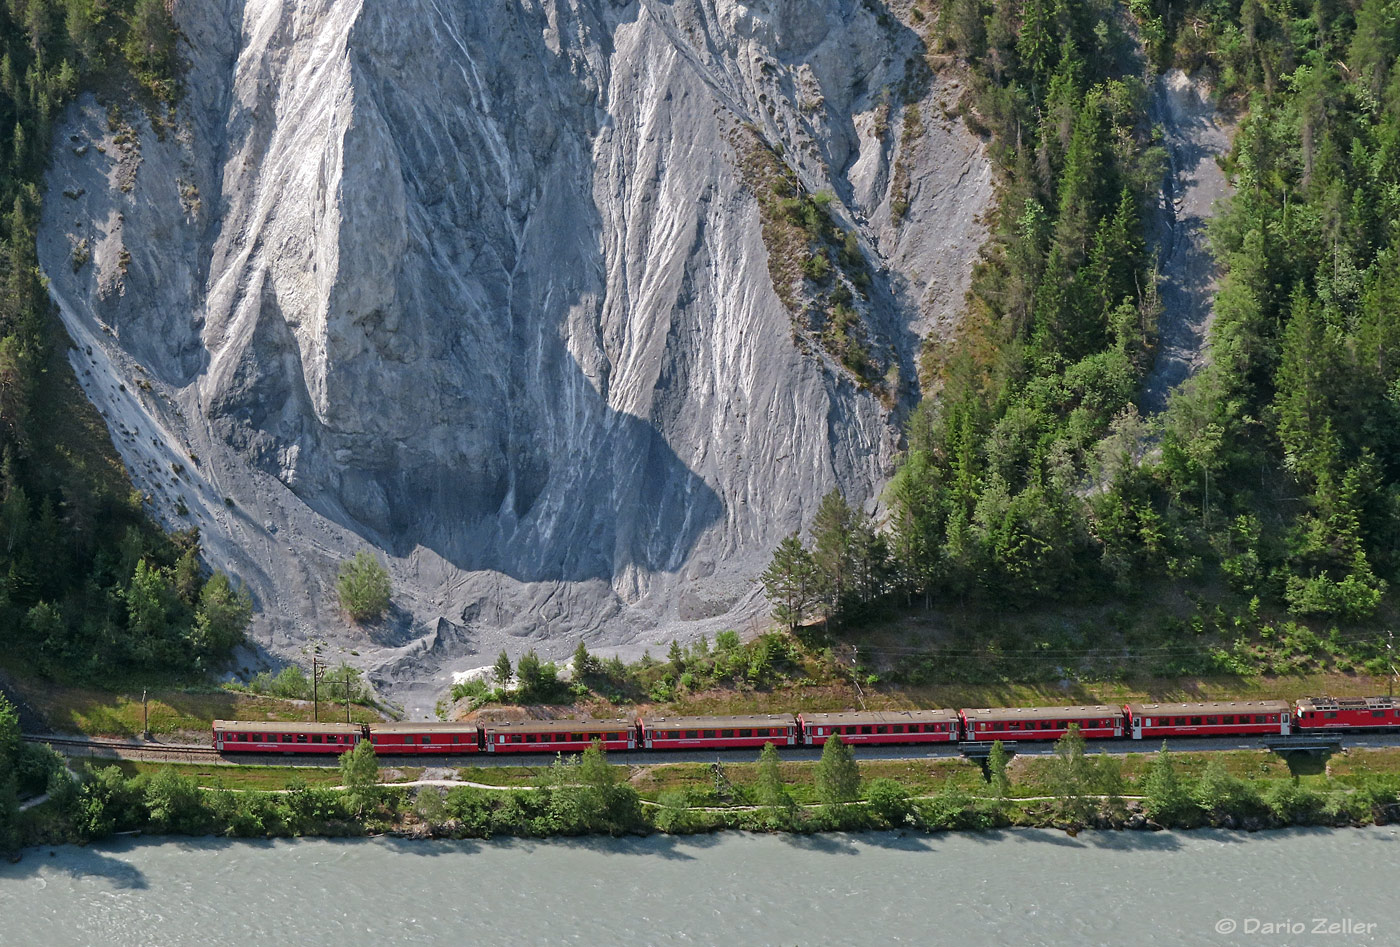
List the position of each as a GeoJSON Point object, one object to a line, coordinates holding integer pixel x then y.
{"type": "Point", "coordinates": [1348, 713]}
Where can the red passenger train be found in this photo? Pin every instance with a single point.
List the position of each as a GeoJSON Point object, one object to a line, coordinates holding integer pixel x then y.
{"type": "Point", "coordinates": [1213, 718]}
{"type": "Point", "coordinates": [1137, 721]}
{"type": "Point", "coordinates": [1041, 723]}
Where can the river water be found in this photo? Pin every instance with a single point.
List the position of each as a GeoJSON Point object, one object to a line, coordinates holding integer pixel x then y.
{"type": "Point", "coordinates": [1006, 888]}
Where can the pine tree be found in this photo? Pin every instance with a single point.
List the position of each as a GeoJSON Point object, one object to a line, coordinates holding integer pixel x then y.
{"type": "Point", "coordinates": [832, 530]}
{"type": "Point", "coordinates": [584, 664]}
{"type": "Point", "coordinates": [502, 670]}
{"type": "Point", "coordinates": [359, 774]}
{"type": "Point", "coordinates": [790, 582]}
{"type": "Point", "coordinates": [997, 761]}
{"type": "Point", "coordinates": [769, 789]}
{"type": "Point", "coordinates": [838, 773]}
{"type": "Point", "coordinates": [1165, 798]}
{"type": "Point", "coordinates": [1070, 776]}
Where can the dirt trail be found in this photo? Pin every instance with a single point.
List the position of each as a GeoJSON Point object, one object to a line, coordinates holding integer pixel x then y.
{"type": "Point", "coordinates": [1196, 134]}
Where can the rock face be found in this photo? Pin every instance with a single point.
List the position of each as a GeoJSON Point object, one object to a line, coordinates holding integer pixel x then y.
{"type": "Point", "coordinates": [1196, 136]}
{"type": "Point", "coordinates": [483, 286]}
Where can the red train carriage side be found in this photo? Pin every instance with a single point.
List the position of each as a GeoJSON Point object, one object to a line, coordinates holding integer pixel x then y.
{"type": "Point", "coordinates": [681, 733]}
{"type": "Point", "coordinates": [260, 736]}
{"type": "Point", "coordinates": [559, 736]}
{"type": "Point", "coordinates": [1209, 719]}
{"type": "Point", "coordinates": [888, 726]}
{"type": "Point", "coordinates": [420, 739]}
{"type": "Point", "coordinates": [1348, 713]}
{"type": "Point", "coordinates": [1041, 723]}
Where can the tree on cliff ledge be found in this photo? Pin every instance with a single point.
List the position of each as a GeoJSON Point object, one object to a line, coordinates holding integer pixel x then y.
{"type": "Point", "coordinates": [363, 587]}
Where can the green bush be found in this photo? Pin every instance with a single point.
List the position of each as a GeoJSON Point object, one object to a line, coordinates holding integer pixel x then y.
{"type": "Point", "coordinates": [364, 588]}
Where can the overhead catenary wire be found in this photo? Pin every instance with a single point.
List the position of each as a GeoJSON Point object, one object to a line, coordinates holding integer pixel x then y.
{"type": "Point", "coordinates": [1106, 652]}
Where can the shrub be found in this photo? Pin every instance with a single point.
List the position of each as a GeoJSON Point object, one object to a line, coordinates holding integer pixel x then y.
{"type": "Point", "coordinates": [889, 801]}
{"type": "Point", "coordinates": [364, 587]}
{"type": "Point", "coordinates": [174, 803]}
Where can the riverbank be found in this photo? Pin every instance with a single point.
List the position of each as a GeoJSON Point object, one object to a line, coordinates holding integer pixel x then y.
{"type": "Point", "coordinates": [1072, 790]}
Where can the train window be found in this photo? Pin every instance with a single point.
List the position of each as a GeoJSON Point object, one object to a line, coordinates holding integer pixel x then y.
{"type": "Point", "coordinates": [866, 730]}
{"type": "Point", "coordinates": [317, 738]}
{"type": "Point", "coordinates": [1210, 721]}
{"type": "Point", "coordinates": [1331, 715]}
{"type": "Point", "coordinates": [1378, 713]}
{"type": "Point", "coordinates": [427, 740]}
{"type": "Point", "coordinates": [1195, 721]}
{"type": "Point", "coordinates": [897, 728]}
{"type": "Point", "coordinates": [1227, 720]}
{"type": "Point", "coordinates": [749, 733]}
{"type": "Point", "coordinates": [301, 738]}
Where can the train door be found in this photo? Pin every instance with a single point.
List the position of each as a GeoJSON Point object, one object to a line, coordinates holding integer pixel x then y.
{"type": "Point", "coordinates": [1284, 723]}
{"type": "Point", "coordinates": [1137, 726]}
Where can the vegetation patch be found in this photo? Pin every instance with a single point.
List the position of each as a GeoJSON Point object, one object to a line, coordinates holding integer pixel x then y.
{"type": "Point", "coordinates": [818, 268]}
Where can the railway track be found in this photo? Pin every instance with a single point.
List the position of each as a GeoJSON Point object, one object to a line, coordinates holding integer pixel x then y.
{"type": "Point", "coordinates": [127, 749]}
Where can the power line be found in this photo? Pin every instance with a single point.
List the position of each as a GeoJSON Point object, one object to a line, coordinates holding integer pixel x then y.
{"type": "Point", "coordinates": [990, 652]}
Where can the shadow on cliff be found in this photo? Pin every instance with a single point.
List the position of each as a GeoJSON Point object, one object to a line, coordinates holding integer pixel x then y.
{"type": "Point", "coordinates": [503, 452]}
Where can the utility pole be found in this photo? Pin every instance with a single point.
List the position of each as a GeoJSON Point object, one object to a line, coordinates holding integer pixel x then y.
{"type": "Point", "coordinates": [1390, 659]}
{"type": "Point", "coordinates": [315, 691]}
{"type": "Point", "coordinates": [145, 716]}
{"type": "Point", "coordinates": [855, 676]}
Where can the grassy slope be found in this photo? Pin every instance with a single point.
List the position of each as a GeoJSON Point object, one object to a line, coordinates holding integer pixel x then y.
{"type": "Point", "coordinates": [174, 711]}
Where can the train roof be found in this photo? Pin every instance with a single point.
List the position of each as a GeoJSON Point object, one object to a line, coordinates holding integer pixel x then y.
{"type": "Point", "coordinates": [1213, 707]}
{"type": "Point", "coordinates": [426, 726]}
{"type": "Point", "coordinates": [285, 726]}
{"type": "Point", "coordinates": [710, 723]}
{"type": "Point", "coordinates": [880, 716]}
{"type": "Point", "coordinates": [1348, 703]}
{"type": "Point", "coordinates": [560, 726]}
{"type": "Point", "coordinates": [1042, 713]}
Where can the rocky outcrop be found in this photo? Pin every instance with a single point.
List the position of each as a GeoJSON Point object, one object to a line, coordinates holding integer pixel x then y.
{"type": "Point", "coordinates": [483, 286]}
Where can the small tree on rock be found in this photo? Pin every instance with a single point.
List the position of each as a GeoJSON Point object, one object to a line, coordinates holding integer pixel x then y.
{"type": "Point", "coordinates": [364, 588]}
